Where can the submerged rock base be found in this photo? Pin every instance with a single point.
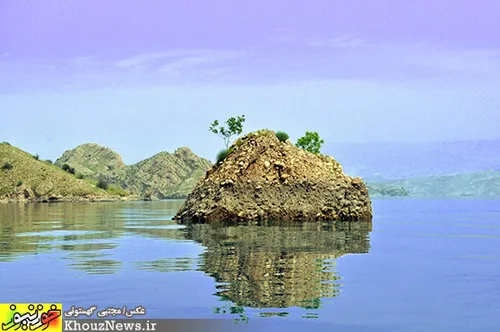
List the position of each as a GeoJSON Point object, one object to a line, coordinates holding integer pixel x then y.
{"type": "Point", "coordinates": [265, 179]}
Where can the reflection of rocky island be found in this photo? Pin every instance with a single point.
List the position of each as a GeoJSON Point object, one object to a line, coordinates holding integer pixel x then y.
{"type": "Point", "coordinates": [263, 178]}
{"type": "Point", "coordinates": [272, 266]}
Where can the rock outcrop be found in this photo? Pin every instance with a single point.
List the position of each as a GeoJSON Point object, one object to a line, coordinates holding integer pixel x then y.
{"type": "Point", "coordinates": [265, 179]}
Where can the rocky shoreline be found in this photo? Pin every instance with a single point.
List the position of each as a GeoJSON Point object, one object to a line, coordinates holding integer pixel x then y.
{"type": "Point", "coordinates": [68, 199]}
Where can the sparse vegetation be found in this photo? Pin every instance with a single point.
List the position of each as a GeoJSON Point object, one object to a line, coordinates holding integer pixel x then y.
{"type": "Point", "coordinates": [40, 178]}
{"type": "Point", "coordinates": [48, 161]}
{"type": "Point", "coordinates": [37, 157]}
{"type": "Point", "coordinates": [234, 127]}
{"type": "Point", "coordinates": [80, 176]}
{"type": "Point", "coordinates": [68, 169]}
{"type": "Point", "coordinates": [222, 155]}
{"type": "Point", "coordinates": [282, 136]}
{"type": "Point", "coordinates": [310, 142]}
{"type": "Point", "coordinates": [102, 184]}
{"type": "Point", "coordinates": [117, 190]}
{"type": "Point", "coordinates": [7, 166]}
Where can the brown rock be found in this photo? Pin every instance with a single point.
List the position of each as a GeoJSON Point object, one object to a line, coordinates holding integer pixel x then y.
{"type": "Point", "coordinates": [300, 186]}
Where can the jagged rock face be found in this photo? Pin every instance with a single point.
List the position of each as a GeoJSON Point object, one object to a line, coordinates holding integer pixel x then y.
{"type": "Point", "coordinates": [265, 179]}
{"type": "Point", "coordinates": [94, 161]}
{"type": "Point", "coordinates": [166, 175]}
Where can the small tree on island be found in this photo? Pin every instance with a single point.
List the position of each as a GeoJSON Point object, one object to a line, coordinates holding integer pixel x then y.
{"type": "Point", "coordinates": [310, 142]}
{"type": "Point", "coordinates": [234, 127]}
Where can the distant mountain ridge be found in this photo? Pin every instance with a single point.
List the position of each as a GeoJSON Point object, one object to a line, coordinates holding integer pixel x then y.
{"type": "Point", "coordinates": [468, 184]}
{"type": "Point", "coordinates": [164, 175]}
{"type": "Point", "coordinates": [382, 162]}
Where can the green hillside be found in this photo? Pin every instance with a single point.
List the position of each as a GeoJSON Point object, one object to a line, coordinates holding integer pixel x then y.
{"type": "Point", "coordinates": [94, 161]}
{"type": "Point", "coordinates": [23, 176]}
{"type": "Point", "coordinates": [165, 175]}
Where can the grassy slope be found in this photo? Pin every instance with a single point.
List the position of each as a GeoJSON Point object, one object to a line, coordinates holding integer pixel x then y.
{"type": "Point", "coordinates": [172, 175]}
{"type": "Point", "coordinates": [39, 177]}
{"type": "Point", "coordinates": [92, 160]}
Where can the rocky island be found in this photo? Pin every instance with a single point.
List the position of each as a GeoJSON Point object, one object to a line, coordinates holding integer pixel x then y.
{"type": "Point", "coordinates": [263, 178]}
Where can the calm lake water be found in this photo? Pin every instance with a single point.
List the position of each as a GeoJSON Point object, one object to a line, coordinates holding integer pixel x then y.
{"type": "Point", "coordinates": [421, 265]}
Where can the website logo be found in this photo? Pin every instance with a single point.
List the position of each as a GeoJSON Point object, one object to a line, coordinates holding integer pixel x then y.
{"type": "Point", "coordinates": [31, 317]}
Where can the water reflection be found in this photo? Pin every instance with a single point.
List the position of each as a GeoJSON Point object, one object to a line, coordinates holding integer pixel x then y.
{"type": "Point", "coordinates": [82, 234]}
{"type": "Point", "coordinates": [181, 264]}
{"type": "Point", "coordinates": [278, 266]}
{"type": "Point", "coordinates": [258, 266]}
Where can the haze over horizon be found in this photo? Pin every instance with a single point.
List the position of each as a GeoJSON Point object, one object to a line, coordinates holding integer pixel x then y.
{"type": "Point", "coordinates": [143, 78]}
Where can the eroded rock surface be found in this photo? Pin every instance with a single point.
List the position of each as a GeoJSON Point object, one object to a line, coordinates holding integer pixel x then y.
{"type": "Point", "coordinates": [265, 179]}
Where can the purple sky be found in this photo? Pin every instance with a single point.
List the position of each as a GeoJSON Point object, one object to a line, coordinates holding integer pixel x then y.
{"type": "Point", "coordinates": [352, 70]}
{"type": "Point", "coordinates": [116, 28]}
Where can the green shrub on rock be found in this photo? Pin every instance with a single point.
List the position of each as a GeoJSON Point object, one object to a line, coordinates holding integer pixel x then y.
{"type": "Point", "coordinates": [222, 155]}
{"type": "Point", "coordinates": [282, 136]}
{"type": "Point", "coordinates": [310, 142]}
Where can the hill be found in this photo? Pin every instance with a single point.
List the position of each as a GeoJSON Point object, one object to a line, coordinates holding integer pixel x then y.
{"type": "Point", "coordinates": [470, 184]}
{"type": "Point", "coordinates": [23, 177]}
{"type": "Point", "coordinates": [94, 161]}
{"type": "Point", "coordinates": [165, 175]}
{"type": "Point", "coordinates": [386, 189]}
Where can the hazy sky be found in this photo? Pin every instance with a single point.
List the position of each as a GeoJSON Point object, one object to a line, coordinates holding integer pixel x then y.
{"type": "Point", "coordinates": [146, 76]}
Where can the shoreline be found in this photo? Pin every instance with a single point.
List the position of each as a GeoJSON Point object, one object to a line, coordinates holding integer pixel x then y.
{"type": "Point", "coordinates": [81, 199]}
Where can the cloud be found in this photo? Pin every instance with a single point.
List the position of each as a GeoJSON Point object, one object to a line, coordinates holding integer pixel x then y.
{"type": "Point", "coordinates": [140, 59]}
{"type": "Point", "coordinates": [186, 62]}
{"type": "Point", "coordinates": [177, 58]}
{"type": "Point", "coordinates": [84, 62]}
{"type": "Point", "coordinates": [175, 66]}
